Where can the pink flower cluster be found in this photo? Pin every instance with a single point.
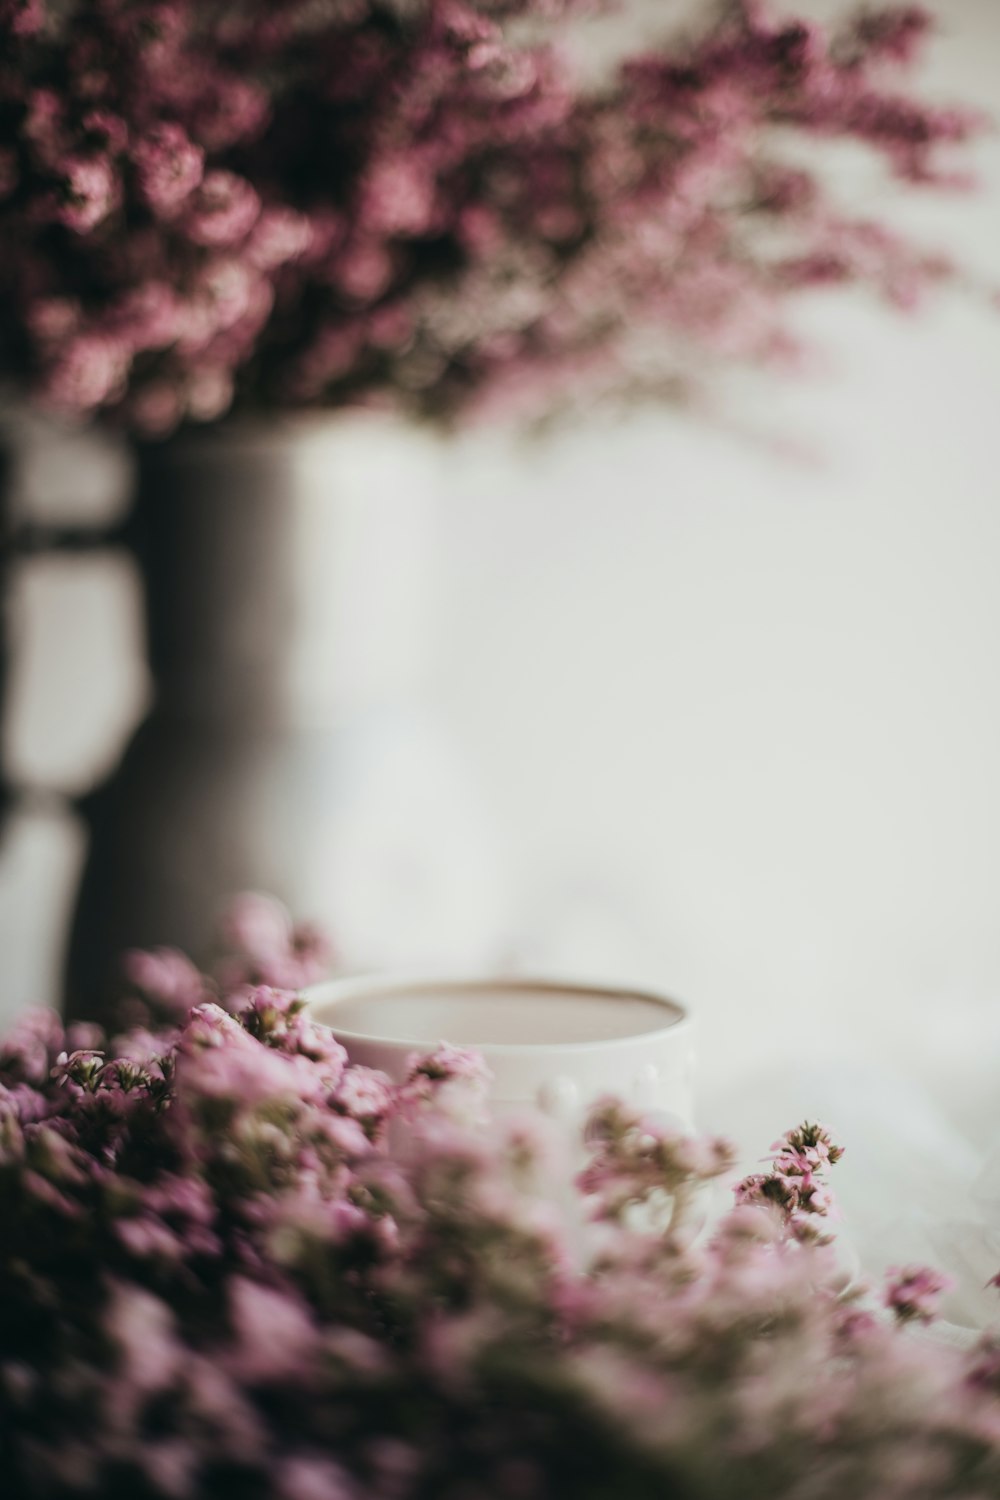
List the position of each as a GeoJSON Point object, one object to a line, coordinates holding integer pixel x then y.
{"type": "Point", "coordinates": [641, 1158]}
{"type": "Point", "coordinates": [232, 1264]}
{"type": "Point", "coordinates": [261, 946]}
{"type": "Point", "coordinates": [913, 1293]}
{"type": "Point", "coordinates": [796, 1184]}
{"type": "Point", "coordinates": [246, 205]}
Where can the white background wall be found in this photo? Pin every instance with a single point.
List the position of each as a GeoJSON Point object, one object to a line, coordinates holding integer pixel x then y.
{"type": "Point", "coordinates": [738, 714]}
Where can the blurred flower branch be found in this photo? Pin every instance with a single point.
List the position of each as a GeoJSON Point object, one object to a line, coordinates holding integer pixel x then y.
{"type": "Point", "coordinates": [206, 207]}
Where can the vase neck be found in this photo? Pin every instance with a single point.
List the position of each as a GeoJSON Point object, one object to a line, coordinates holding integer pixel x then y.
{"type": "Point", "coordinates": [288, 574]}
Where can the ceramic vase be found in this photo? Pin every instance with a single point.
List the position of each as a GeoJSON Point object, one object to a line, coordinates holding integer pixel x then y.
{"type": "Point", "coordinates": [289, 587]}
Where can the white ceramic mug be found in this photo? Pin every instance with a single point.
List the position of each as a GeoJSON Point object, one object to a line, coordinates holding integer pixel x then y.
{"type": "Point", "coordinates": [555, 1047]}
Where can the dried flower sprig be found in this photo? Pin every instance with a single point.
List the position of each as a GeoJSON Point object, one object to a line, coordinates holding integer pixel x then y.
{"type": "Point", "coordinates": [912, 1293]}
{"type": "Point", "coordinates": [796, 1184]}
{"type": "Point", "coordinates": [642, 1159]}
{"type": "Point", "coordinates": [207, 208]}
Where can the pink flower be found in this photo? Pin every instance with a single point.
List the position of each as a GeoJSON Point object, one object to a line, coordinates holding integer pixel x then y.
{"type": "Point", "coordinates": [87, 372]}
{"type": "Point", "coordinates": [750, 1189]}
{"type": "Point", "coordinates": [51, 319]}
{"type": "Point", "coordinates": [235, 109]}
{"type": "Point", "coordinates": [913, 1292]}
{"type": "Point", "coordinates": [209, 392]}
{"type": "Point", "coordinates": [397, 196]}
{"type": "Point", "coordinates": [256, 925]}
{"type": "Point", "coordinates": [275, 1337]}
{"type": "Point", "coordinates": [28, 1052]}
{"type": "Point", "coordinates": [144, 1329]}
{"type": "Point", "coordinates": [346, 1134]}
{"type": "Point", "coordinates": [87, 192]}
{"type": "Point", "coordinates": [795, 1186]}
{"type": "Point", "coordinates": [228, 291]}
{"type": "Point", "coordinates": [224, 210]}
{"type": "Point", "coordinates": [895, 34]}
{"type": "Point", "coordinates": [169, 166]}
{"type": "Point", "coordinates": [364, 270]}
{"type": "Point", "coordinates": [22, 17]}
{"type": "Point", "coordinates": [156, 408]}
{"type": "Point", "coordinates": [364, 1093]}
{"type": "Point", "coordinates": [280, 235]}
{"type": "Point", "coordinates": [313, 1478]}
{"type": "Point", "coordinates": [149, 1238]}
{"type": "Point", "coordinates": [165, 976]}
{"type": "Point", "coordinates": [105, 130]}
{"type": "Point", "coordinates": [390, 326]}
{"type": "Point", "coordinates": [447, 1064]}
{"type": "Point", "coordinates": [148, 315]}
{"type": "Point", "coordinates": [217, 1059]}
{"type": "Point", "coordinates": [454, 1080]}
{"type": "Point", "coordinates": [44, 124]}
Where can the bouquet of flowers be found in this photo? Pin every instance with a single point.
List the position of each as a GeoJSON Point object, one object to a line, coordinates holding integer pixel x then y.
{"type": "Point", "coordinates": [220, 1275]}
{"type": "Point", "coordinates": [209, 205]}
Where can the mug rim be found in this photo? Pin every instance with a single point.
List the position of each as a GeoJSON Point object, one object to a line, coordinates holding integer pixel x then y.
{"type": "Point", "coordinates": [360, 985]}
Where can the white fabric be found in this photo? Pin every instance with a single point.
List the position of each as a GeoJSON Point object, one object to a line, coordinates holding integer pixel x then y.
{"type": "Point", "coordinates": [912, 1188]}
